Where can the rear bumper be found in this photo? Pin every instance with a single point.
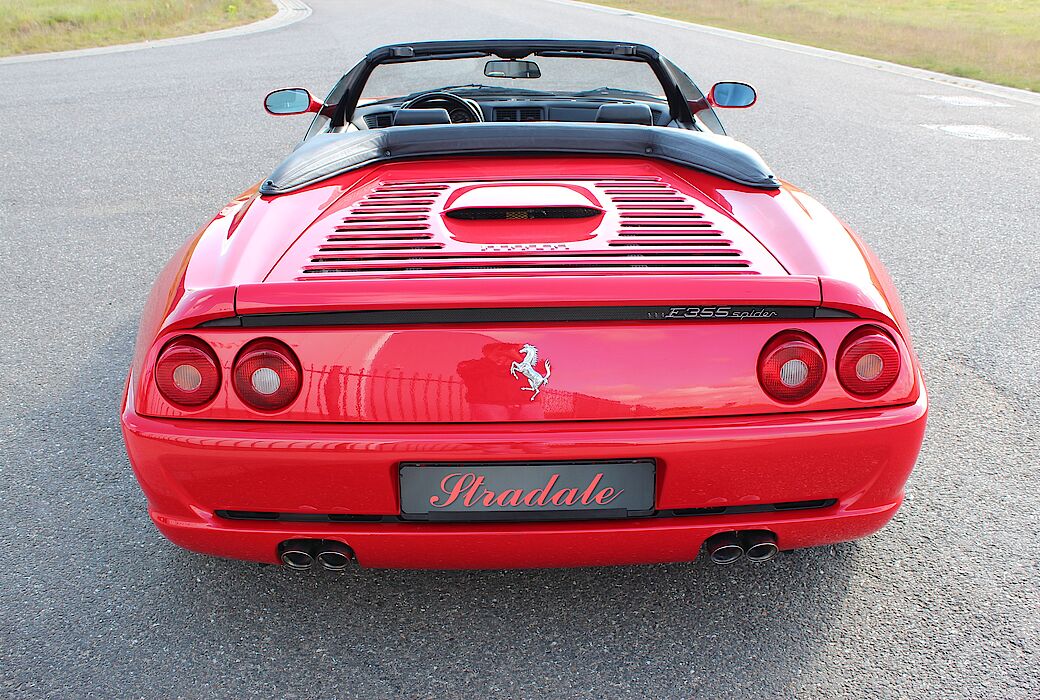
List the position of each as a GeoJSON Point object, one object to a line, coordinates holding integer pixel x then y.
{"type": "Point", "coordinates": [189, 469]}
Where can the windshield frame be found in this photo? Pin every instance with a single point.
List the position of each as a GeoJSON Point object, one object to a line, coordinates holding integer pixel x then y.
{"type": "Point", "coordinates": [342, 100]}
{"type": "Point", "coordinates": [561, 78]}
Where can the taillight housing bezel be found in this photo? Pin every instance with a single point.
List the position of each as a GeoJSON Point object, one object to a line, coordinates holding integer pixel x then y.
{"type": "Point", "coordinates": [271, 354]}
{"type": "Point", "coordinates": [859, 343]}
{"type": "Point", "coordinates": [782, 348]}
{"type": "Point", "coordinates": [194, 352]}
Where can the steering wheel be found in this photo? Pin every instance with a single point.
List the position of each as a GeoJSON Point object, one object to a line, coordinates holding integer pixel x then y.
{"type": "Point", "coordinates": [459, 108]}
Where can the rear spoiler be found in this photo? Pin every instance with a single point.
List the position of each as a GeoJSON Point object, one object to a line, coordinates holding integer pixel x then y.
{"type": "Point", "coordinates": [517, 300]}
{"type": "Point", "coordinates": [527, 299]}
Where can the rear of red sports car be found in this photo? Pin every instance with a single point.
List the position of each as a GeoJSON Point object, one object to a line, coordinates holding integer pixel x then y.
{"type": "Point", "coordinates": [521, 361]}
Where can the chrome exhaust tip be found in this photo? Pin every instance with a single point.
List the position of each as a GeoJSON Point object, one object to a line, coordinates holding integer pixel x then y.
{"type": "Point", "coordinates": [759, 545]}
{"type": "Point", "coordinates": [335, 556]}
{"type": "Point", "coordinates": [725, 548]}
{"type": "Point", "coordinates": [297, 554]}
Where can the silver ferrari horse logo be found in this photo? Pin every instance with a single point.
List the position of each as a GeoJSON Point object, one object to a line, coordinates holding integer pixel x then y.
{"type": "Point", "coordinates": [527, 368]}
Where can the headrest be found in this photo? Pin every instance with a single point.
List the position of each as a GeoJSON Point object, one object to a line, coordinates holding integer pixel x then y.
{"type": "Point", "coordinates": [411, 117]}
{"type": "Point", "coordinates": [625, 114]}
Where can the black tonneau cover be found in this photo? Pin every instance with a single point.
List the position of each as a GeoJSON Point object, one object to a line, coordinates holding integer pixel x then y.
{"type": "Point", "coordinates": [326, 155]}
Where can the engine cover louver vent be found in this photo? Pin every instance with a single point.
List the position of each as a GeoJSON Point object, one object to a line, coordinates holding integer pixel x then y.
{"type": "Point", "coordinates": [655, 215]}
{"type": "Point", "coordinates": [392, 219]}
{"type": "Point", "coordinates": [407, 228]}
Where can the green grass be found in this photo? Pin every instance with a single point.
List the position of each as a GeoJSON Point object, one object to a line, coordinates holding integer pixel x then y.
{"type": "Point", "coordinates": [993, 40]}
{"type": "Point", "coordinates": [33, 26]}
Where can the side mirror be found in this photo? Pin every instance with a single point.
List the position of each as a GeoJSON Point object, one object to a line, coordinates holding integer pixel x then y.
{"type": "Point", "coordinates": [512, 69]}
{"type": "Point", "coordinates": [290, 101]}
{"type": "Point", "coordinates": [732, 95]}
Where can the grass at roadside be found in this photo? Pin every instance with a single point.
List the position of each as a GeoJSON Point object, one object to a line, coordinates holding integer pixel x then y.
{"type": "Point", "coordinates": [32, 26]}
{"type": "Point", "coordinates": [992, 40]}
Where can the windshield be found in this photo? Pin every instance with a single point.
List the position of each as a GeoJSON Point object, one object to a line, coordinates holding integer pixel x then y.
{"type": "Point", "coordinates": [560, 77]}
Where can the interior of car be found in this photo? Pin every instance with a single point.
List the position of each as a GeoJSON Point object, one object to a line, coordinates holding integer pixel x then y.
{"type": "Point", "coordinates": [445, 108]}
{"type": "Point", "coordinates": [549, 96]}
{"type": "Point", "coordinates": [512, 81]}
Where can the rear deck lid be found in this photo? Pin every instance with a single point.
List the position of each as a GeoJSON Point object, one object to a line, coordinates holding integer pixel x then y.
{"type": "Point", "coordinates": [469, 300]}
{"type": "Point", "coordinates": [410, 228]}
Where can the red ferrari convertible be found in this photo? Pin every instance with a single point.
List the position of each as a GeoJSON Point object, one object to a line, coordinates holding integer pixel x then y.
{"type": "Point", "coordinates": [521, 304]}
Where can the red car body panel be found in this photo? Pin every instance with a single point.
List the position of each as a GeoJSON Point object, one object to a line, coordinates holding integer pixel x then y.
{"type": "Point", "coordinates": [192, 469]}
{"type": "Point", "coordinates": [376, 375]}
{"type": "Point", "coordinates": [682, 392]}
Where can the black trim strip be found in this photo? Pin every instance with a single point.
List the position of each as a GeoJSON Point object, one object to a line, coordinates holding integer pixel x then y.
{"type": "Point", "coordinates": [527, 517]}
{"type": "Point", "coordinates": [527, 315]}
{"type": "Point", "coordinates": [758, 508]}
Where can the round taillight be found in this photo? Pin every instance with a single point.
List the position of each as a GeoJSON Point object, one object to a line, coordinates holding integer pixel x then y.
{"type": "Point", "coordinates": [868, 362]}
{"type": "Point", "coordinates": [187, 372]}
{"type": "Point", "coordinates": [791, 367]}
{"type": "Point", "coordinates": [266, 375]}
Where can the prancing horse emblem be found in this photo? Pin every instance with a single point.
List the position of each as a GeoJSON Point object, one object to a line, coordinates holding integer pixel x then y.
{"type": "Point", "coordinates": [527, 368]}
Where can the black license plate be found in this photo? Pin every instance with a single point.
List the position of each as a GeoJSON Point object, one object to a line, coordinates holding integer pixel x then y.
{"type": "Point", "coordinates": [527, 491]}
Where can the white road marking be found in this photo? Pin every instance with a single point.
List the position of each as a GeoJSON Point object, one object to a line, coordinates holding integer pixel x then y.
{"type": "Point", "coordinates": [1000, 91]}
{"type": "Point", "coordinates": [976, 132]}
{"type": "Point", "coordinates": [289, 12]}
{"type": "Point", "coordinates": [964, 101]}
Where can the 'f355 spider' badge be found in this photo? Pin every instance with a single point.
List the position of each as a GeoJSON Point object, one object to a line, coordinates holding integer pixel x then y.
{"type": "Point", "coordinates": [527, 368]}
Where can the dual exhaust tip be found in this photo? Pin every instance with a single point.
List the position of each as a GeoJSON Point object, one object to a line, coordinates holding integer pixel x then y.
{"type": "Point", "coordinates": [301, 555]}
{"type": "Point", "coordinates": [723, 548]}
{"type": "Point", "coordinates": [731, 547]}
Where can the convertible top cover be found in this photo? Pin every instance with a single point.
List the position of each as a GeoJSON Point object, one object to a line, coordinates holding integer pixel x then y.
{"type": "Point", "coordinates": [328, 155]}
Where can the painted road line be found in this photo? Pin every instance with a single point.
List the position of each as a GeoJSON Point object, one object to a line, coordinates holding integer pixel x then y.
{"type": "Point", "coordinates": [976, 132]}
{"type": "Point", "coordinates": [964, 101]}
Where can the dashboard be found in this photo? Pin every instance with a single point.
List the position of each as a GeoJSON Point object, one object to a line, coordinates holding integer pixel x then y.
{"type": "Point", "coordinates": [379, 116]}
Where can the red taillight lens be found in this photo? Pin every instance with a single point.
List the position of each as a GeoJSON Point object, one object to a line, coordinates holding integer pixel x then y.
{"type": "Point", "coordinates": [187, 372]}
{"type": "Point", "coordinates": [266, 375]}
{"type": "Point", "coordinates": [791, 367]}
{"type": "Point", "coordinates": [868, 362]}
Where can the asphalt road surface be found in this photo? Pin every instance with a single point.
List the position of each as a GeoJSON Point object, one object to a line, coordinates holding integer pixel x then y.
{"type": "Point", "coordinates": [110, 162]}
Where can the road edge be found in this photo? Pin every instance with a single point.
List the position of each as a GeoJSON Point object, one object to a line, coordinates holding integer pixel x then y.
{"type": "Point", "coordinates": [289, 12]}
{"type": "Point", "coordinates": [992, 89]}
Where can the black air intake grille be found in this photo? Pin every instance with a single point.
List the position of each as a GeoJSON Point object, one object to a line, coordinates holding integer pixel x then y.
{"type": "Point", "coordinates": [684, 512]}
{"type": "Point", "coordinates": [521, 213]}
